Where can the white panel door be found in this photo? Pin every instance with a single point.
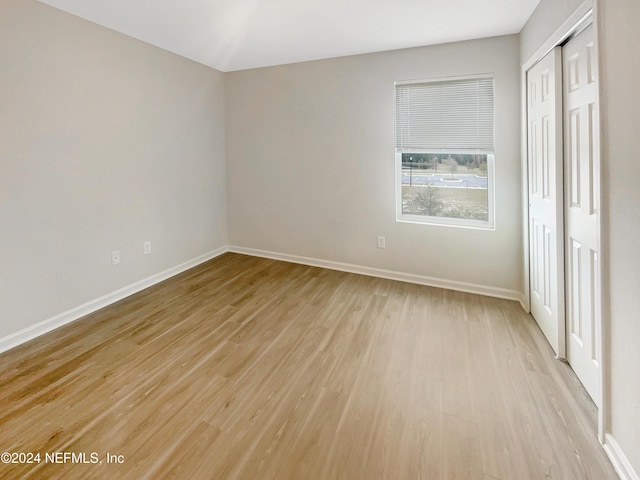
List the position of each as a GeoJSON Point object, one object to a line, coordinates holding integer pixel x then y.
{"type": "Point", "coordinates": [544, 125]}
{"type": "Point", "coordinates": [581, 161]}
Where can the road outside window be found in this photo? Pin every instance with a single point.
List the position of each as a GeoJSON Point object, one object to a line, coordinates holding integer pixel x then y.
{"type": "Point", "coordinates": [445, 185]}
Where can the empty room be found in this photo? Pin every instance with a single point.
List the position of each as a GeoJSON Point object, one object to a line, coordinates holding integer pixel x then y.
{"type": "Point", "coordinates": [319, 240]}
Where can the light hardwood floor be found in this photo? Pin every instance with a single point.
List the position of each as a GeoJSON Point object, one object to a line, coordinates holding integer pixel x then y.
{"type": "Point", "coordinates": [247, 368]}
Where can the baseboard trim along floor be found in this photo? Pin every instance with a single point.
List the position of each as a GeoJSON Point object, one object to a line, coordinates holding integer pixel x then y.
{"type": "Point", "coordinates": [29, 333]}
{"type": "Point", "coordinates": [388, 274]}
{"type": "Point", "coordinates": [57, 321]}
{"type": "Point", "coordinates": [618, 459]}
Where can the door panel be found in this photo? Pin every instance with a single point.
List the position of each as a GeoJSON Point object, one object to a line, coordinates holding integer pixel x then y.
{"type": "Point", "coordinates": [581, 212]}
{"type": "Point", "coordinates": [544, 124]}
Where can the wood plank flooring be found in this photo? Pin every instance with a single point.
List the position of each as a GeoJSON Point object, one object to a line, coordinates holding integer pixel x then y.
{"type": "Point", "coordinates": [247, 368]}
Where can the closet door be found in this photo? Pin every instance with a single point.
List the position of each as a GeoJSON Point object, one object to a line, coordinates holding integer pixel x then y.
{"type": "Point", "coordinates": [581, 209]}
{"type": "Point", "coordinates": [544, 131]}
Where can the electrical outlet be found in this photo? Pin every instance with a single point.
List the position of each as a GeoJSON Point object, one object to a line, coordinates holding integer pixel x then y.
{"type": "Point", "coordinates": [382, 242]}
{"type": "Point", "coordinates": [147, 248]}
{"type": "Point", "coordinates": [115, 257]}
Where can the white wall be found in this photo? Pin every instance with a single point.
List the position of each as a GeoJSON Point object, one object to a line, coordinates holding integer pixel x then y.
{"type": "Point", "coordinates": [310, 164]}
{"type": "Point", "coordinates": [105, 142]}
{"type": "Point", "coordinates": [620, 74]}
{"type": "Point", "coordinates": [618, 40]}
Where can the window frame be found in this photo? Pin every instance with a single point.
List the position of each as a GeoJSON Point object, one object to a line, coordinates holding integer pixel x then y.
{"type": "Point", "coordinates": [488, 224]}
{"type": "Point", "coordinates": [401, 217]}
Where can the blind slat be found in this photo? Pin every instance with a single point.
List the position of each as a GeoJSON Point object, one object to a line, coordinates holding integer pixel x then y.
{"type": "Point", "coordinates": [445, 115]}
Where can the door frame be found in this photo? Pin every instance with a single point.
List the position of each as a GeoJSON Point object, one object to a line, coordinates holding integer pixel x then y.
{"type": "Point", "coordinates": [586, 13]}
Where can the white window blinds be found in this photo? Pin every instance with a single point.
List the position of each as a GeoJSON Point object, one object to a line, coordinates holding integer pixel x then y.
{"type": "Point", "coordinates": [453, 115]}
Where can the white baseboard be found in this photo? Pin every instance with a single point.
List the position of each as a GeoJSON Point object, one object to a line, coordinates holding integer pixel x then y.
{"type": "Point", "coordinates": [620, 462]}
{"type": "Point", "coordinates": [29, 333]}
{"type": "Point", "coordinates": [389, 274]}
{"type": "Point", "coordinates": [523, 302]}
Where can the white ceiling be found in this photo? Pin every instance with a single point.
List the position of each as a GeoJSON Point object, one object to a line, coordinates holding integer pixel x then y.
{"type": "Point", "coordinates": [239, 34]}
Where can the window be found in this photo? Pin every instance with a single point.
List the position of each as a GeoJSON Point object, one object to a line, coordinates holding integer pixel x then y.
{"type": "Point", "coordinates": [444, 151]}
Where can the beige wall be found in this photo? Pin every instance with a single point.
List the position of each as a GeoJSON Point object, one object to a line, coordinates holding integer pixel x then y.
{"type": "Point", "coordinates": [620, 110]}
{"type": "Point", "coordinates": [620, 74]}
{"type": "Point", "coordinates": [310, 164]}
{"type": "Point", "coordinates": [105, 142]}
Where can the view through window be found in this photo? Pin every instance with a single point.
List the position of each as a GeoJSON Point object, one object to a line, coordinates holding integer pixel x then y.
{"type": "Point", "coordinates": [444, 151]}
{"type": "Point", "coordinates": [446, 185]}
